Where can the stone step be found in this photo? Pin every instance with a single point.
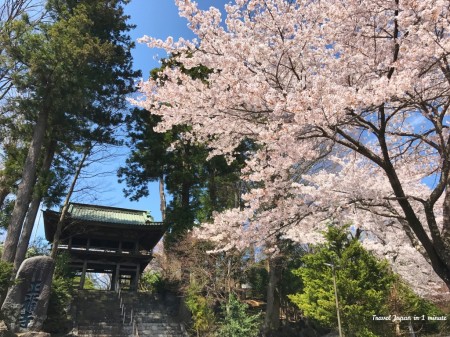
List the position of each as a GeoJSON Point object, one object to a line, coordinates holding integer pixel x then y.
{"type": "Point", "coordinates": [98, 328]}
{"type": "Point", "coordinates": [97, 307]}
{"type": "Point", "coordinates": [104, 304]}
{"type": "Point", "coordinates": [97, 294]}
{"type": "Point", "coordinates": [161, 334]}
{"type": "Point", "coordinates": [104, 324]}
{"type": "Point", "coordinates": [154, 327]}
{"type": "Point", "coordinates": [152, 317]}
{"type": "Point", "coordinates": [150, 308]}
{"type": "Point", "coordinates": [92, 331]}
{"type": "Point", "coordinates": [98, 333]}
{"type": "Point", "coordinates": [139, 313]}
{"type": "Point", "coordinates": [153, 330]}
{"type": "Point", "coordinates": [104, 328]}
{"type": "Point", "coordinates": [95, 332]}
{"type": "Point", "coordinates": [89, 334]}
{"type": "Point", "coordinates": [99, 315]}
{"type": "Point", "coordinates": [86, 322]}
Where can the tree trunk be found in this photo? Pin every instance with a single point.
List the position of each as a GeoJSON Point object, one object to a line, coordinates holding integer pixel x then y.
{"type": "Point", "coordinates": [62, 217]}
{"type": "Point", "coordinates": [185, 195]}
{"type": "Point", "coordinates": [4, 191]}
{"type": "Point", "coordinates": [162, 198]}
{"type": "Point", "coordinates": [212, 188]}
{"type": "Point", "coordinates": [27, 229]}
{"type": "Point", "coordinates": [446, 215]}
{"type": "Point", "coordinates": [25, 190]}
{"type": "Point", "coordinates": [272, 318]}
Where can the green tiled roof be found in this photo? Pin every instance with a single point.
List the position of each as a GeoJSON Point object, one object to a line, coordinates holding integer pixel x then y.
{"type": "Point", "coordinates": [110, 215]}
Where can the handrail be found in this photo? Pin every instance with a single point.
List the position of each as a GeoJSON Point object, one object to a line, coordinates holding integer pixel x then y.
{"type": "Point", "coordinates": [118, 290]}
{"type": "Point", "coordinates": [135, 329]}
{"type": "Point", "coordinates": [133, 323]}
{"type": "Point", "coordinates": [183, 329]}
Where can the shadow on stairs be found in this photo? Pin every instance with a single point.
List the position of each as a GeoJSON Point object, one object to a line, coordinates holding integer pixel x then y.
{"type": "Point", "coordinates": [104, 314]}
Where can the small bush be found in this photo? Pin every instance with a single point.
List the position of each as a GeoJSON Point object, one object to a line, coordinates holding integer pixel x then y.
{"type": "Point", "coordinates": [151, 282]}
{"type": "Point", "coordinates": [202, 314]}
{"type": "Point", "coordinates": [6, 277]}
{"type": "Point", "coordinates": [237, 322]}
{"type": "Point", "coordinates": [60, 298]}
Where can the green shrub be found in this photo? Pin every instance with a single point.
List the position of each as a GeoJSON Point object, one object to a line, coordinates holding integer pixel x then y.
{"type": "Point", "coordinates": [6, 277]}
{"type": "Point", "coordinates": [60, 297]}
{"type": "Point", "coordinates": [404, 302]}
{"type": "Point", "coordinates": [237, 322]}
{"type": "Point", "coordinates": [89, 283]}
{"type": "Point", "coordinates": [62, 268]}
{"type": "Point", "coordinates": [151, 282]}
{"type": "Point", "coordinates": [363, 284]}
{"type": "Point", "coordinates": [366, 287]}
{"type": "Point", "coordinates": [202, 314]}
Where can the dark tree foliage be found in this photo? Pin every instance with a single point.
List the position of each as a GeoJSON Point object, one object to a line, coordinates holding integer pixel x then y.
{"type": "Point", "coordinates": [237, 321]}
{"type": "Point", "coordinates": [198, 186]}
{"type": "Point", "coordinates": [71, 72]}
{"type": "Point", "coordinates": [106, 81]}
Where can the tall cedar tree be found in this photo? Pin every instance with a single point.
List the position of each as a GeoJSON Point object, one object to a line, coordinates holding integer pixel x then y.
{"type": "Point", "coordinates": [198, 186]}
{"type": "Point", "coordinates": [75, 72]}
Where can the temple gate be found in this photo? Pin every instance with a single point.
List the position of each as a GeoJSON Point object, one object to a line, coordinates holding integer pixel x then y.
{"type": "Point", "coordinates": [110, 240]}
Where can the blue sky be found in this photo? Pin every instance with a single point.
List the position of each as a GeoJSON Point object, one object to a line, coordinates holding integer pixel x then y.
{"type": "Point", "coordinates": [159, 19]}
{"type": "Point", "coordinates": [156, 18]}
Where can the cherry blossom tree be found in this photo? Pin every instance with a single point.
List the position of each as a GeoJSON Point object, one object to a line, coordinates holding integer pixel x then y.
{"type": "Point", "coordinates": [367, 82]}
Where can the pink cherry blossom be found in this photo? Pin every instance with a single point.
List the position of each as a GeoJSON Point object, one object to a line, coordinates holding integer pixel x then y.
{"type": "Point", "coordinates": [348, 101]}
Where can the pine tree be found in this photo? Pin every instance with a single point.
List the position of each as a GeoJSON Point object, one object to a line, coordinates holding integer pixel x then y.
{"type": "Point", "coordinates": [75, 71]}
{"type": "Point", "coordinates": [237, 321]}
{"type": "Point", "coordinates": [363, 284]}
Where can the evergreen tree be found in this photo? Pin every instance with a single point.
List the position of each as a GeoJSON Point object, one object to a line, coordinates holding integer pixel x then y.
{"type": "Point", "coordinates": [73, 74]}
{"type": "Point", "coordinates": [237, 322]}
{"type": "Point", "coordinates": [198, 186]}
{"type": "Point", "coordinates": [363, 284]}
{"type": "Point", "coordinates": [366, 288]}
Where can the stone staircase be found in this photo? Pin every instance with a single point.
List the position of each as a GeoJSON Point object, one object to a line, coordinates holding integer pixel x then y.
{"type": "Point", "coordinates": [155, 315]}
{"type": "Point", "coordinates": [98, 314]}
